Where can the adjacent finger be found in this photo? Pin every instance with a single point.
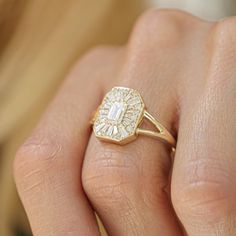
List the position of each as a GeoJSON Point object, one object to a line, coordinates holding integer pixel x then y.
{"type": "Point", "coordinates": [204, 175]}
{"type": "Point", "coordinates": [48, 165]}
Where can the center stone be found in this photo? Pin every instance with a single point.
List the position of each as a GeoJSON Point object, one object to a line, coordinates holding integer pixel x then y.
{"type": "Point", "coordinates": [116, 111]}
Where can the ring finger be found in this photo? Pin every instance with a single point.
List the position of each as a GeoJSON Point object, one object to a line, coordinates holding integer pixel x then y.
{"type": "Point", "coordinates": [128, 185]}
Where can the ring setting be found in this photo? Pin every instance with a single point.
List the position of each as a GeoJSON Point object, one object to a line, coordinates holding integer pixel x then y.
{"type": "Point", "coordinates": [120, 115]}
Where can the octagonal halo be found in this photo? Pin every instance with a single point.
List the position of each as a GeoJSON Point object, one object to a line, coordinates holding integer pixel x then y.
{"type": "Point", "coordinates": [119, 115]}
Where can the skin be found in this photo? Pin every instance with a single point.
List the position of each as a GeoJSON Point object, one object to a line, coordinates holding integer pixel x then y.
{"type": "Point", "coordinates": [184, 68]}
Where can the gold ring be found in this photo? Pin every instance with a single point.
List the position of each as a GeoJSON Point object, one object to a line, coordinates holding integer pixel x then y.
{"type": "Point", "coordinates": [120, 115]}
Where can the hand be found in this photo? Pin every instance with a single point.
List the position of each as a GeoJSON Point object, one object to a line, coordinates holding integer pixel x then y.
{"type": "Point", "coordinates": [185, 69]}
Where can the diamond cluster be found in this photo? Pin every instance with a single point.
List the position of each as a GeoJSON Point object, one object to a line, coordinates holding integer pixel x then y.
{"type": "Point", "coordinates": [119, 114]}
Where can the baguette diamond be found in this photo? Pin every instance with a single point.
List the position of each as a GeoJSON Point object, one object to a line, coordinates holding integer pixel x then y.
{"type": "Point", "coordinates": [116, 111]}
{"type": "Point", "coordinates": [119, 115]}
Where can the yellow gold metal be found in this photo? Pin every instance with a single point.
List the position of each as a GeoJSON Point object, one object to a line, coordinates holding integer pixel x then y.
{"type": "Point", "coordinates": [120, 115]}
{"type": "Point", "coordinates": [163, 134]}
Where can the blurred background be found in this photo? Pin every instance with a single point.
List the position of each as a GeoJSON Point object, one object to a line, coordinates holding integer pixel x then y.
{"type": "Point", "coordinates": [39, 41]}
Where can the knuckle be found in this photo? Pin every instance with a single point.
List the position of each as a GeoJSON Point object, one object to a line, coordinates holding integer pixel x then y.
{"type": "Point", "coordinates": [202, 197]}
{"type": "Point", "coordinates": [107, 177]}
{"type": "Point", "coordinates": [205, 194]}
{"type": "Point", "coordinates": [111, 177]}
{"type": "Point", "coordinates": [162, 26]}
{"type": "Point", "coordinates": [33, 161]}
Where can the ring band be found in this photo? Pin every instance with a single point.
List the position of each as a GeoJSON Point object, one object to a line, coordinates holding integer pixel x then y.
{"type": "Point", "coordinates": [120, 115]}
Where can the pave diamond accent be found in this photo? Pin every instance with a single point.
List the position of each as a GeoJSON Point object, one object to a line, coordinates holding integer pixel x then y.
{"type": "Point", "coordinates": [119, 114]}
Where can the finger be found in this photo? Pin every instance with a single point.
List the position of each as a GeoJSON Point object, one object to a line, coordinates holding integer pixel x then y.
{"type": "Point", "coordinates": [204, 175]}
{"type": "Point", "coordinates": [128, 184]}
{"type": "Point", "coordinates": [48, 165]}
